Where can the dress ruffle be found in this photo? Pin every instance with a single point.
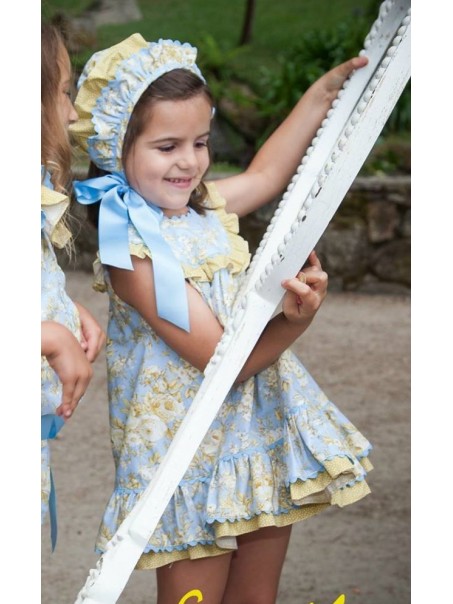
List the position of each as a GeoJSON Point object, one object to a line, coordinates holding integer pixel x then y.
{"type": "Point", "coordinates": [256, 488]}
{"type": "Point", "coordinates": [54, 205]}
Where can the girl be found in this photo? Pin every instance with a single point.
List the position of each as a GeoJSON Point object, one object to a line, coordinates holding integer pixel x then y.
{"type": "Point", "coordinates": [70, 337]}
{"type": "Point", "coordinates": [278, 451]}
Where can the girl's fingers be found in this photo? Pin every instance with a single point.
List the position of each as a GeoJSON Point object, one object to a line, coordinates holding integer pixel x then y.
{"type": "Point", "coordinates": [361, 61]}
{"type": "Point", "coordinates": [302, 277]}
{"type": "Point", "coordinates": [315, 261]}
{"type": "Point", "coordinates": [355, 63]}
{"type": "Point", "coordinates": [314, 277]}
{"type": "Point", "coordinates": [312, 262]}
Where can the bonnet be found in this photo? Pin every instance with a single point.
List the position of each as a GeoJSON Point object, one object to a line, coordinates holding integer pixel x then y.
{"type": "Point", "coordinates": [110, 86]}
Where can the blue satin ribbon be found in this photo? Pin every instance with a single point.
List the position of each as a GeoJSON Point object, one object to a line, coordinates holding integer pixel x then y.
{"type": "Point", "coordinates": [50, 426]}
{"type": "Point", "coordinates": [45, 177]}
{"type": "Point", "coordinates": [119, 204]}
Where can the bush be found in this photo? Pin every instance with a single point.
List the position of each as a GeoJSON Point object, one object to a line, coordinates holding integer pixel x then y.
{"type": "Point", "coordinates": [317, 52]}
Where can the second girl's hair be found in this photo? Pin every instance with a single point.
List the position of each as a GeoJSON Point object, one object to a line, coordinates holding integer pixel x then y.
{"type": "Point", "coordinates": [56, 152]}
{"type": "Point", "coordinates": [176, 85]}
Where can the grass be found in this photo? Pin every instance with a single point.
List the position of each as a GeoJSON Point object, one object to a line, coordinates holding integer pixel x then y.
{"type": "Point", "coordinates": [277, 25]}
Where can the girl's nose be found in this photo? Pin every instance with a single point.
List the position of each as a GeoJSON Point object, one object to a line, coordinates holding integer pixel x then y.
{"type": "Point", "coordinates": [73, 115]}
{"type": "Point", "coordinates": [187, 159]}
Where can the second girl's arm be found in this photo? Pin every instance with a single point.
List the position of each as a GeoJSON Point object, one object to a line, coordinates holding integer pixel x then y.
{"type": "Point", "coordinates": [136, 288]}
{"type": "Point", "coordinates": [67, 358]}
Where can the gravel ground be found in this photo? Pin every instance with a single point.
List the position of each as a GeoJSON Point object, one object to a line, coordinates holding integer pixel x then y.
{"type": "Point", "coordinates": [358, 350]}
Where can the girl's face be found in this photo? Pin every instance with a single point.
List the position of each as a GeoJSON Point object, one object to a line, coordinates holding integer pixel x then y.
{"type": "Point", "coordinates": [169, 158]}
{"type": "Point", "coordinates": [65, 107]}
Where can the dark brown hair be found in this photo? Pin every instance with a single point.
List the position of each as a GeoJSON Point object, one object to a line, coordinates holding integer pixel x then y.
{"type": "Point", "coordinates": [55, 146]}
{"type": "Point", "coordinates": [176, 85]}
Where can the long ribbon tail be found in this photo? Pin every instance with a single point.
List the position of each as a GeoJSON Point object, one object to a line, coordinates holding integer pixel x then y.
{"type": "Point", "coordinates": [50, 426]}
{"type": "Point", "coordinates": [170, 285]}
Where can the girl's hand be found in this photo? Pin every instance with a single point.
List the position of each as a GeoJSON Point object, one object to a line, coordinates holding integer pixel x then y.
{"type": "Point", "coordinates": [93, 337]}
{"type": "Point", "coordinates": [305, 293]}
{"type": "Point", "coordinates": [69, 361]}
{"type": "Point", "coordinates": [329, 85]}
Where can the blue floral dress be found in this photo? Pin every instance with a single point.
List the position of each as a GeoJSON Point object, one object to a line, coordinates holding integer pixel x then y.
{"type": "Point", "coordinates": [55, 306]}
{"type": "Point", "coordinates": [278, 451]}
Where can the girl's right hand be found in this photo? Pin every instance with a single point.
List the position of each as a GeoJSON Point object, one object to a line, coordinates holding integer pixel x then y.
{"type": "Point", "coordinates": [68, 359]}
{"type": "Point", "coordinates": [305, 293]}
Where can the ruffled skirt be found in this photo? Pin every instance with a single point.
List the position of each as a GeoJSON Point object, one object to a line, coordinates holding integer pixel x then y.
{"type": "Point", "coordinates": [278, 452]}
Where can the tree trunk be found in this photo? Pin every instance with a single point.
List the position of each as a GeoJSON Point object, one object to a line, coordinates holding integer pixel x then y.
{"type": "Point", "coordinates": [247, 27]}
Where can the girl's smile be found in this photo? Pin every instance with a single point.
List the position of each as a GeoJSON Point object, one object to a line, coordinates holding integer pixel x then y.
{"type": "Point", "coordinates": [169, 158]}
{"type": "Point", "coordinates": [182, 183]}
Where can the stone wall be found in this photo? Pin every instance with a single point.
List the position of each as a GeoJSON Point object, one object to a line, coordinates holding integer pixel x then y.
{"type": "Point", "coordinates": [365, 248]}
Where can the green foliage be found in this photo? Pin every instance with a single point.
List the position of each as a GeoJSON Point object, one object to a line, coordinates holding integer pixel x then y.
{"type": "Point", "coordinates": [400, 118]}
{"type": "Point", "coordinates": [215, 60]}
{"type": "Point", "coordinates": [71, 7]}
{"type": "Point", "coordinates": [300, 66]}
{"type": "Point", "coordinates": [390, 155]}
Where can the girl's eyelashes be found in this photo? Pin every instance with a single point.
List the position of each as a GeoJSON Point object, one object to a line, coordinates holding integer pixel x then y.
{"type": "Point", "coordinates": [169, 148]}
{"type": "Point", "coordinates": [166, 148]}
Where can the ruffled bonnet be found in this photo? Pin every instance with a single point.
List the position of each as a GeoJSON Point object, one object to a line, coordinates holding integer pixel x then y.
{"type": "Point", "coordinates": [110, 86]}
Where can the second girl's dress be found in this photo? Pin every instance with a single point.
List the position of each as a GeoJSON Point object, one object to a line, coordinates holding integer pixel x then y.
{"type": "Point", "coordinates": [55, 306]}
{"type": "Point", "coordinates": [278, 451]}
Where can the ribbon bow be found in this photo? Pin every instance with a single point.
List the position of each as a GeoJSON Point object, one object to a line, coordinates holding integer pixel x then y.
{"type": "Point", "coordinates": [50, 426]}
{"type": "Point", "coordinates": [119, 204]}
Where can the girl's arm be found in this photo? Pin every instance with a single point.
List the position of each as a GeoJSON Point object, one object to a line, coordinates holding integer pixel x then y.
{"type": "Point", "coordinates": [300, 305]}
{"type": "Point", "coordinates": [67, 358]}
{"type": "Point", "coordinates": [277, 160]}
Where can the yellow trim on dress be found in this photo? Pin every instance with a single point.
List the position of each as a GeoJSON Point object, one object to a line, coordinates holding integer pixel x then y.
{"type": "Point", "coordinates": [239, 257]}
{"type": "Point", "coordinates": [318, 488]}
{"type": "Point", "coordinates": [55, 205]}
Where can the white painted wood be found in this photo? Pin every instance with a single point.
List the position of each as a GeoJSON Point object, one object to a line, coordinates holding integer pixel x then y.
{"type": "Point", "coordinates": [320, 184]}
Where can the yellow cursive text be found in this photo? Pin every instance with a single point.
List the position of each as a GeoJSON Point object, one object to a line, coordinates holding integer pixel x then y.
{"type": "Point", "coordinates": [340, 600]}
{"type": "Point", "coordinates": [196, 593]}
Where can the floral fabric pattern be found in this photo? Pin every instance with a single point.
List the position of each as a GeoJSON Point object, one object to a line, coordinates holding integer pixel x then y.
{"type": "Point", "coordinates": [278, 450]}
{"type": "Point", "coordinates": [55, 306]}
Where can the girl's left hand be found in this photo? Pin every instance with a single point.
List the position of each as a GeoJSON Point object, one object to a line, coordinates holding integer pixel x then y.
{"type": "Point", "coordinates": [93, 337]}
{"type": "Point", "coordinates": [331, 82]}
{"type": "Point", "coordinates": [305, 293]}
